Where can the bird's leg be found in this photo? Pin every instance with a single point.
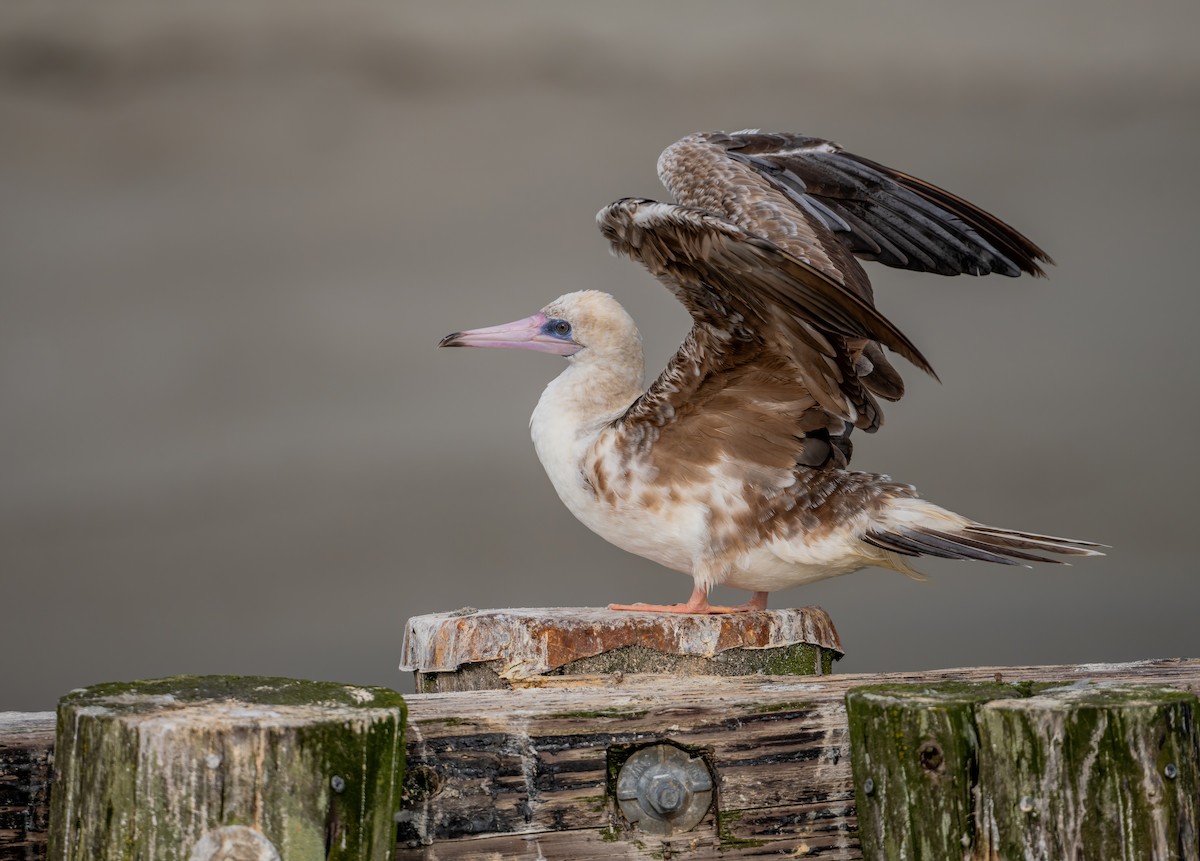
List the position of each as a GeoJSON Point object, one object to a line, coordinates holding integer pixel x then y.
{"type": "Point", "coordinates": [697, 603]}
{"type": "Point", "coordinates": [758, 601]}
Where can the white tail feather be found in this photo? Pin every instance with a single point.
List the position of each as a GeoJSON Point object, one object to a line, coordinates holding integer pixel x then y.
{"type": "Point", "coordinates": [911, 527]}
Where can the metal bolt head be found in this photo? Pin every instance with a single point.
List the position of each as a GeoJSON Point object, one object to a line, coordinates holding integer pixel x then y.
{"type": "Point", "coordinates": [666, 793]}
{"type": "Point", "coordinates": [337, 782]}
{"type": "Point", "coordinates": [869, 786]}
{"type": "Point", "coordinates": [1171, 771]}
{"type": "Point", "coordinates": [664, 790]}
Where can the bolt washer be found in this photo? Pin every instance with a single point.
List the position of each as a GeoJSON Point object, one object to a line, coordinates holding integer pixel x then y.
{"type": "Point", "coordinates": [664, 790]}
{"type": "Point", "coordinates": [234, 843]}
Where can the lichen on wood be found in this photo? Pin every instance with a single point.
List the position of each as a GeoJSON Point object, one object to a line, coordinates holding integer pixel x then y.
{"type": "Point", "coordinates": [913, 750]}
{"type": "Point", "coordinates": [1025, 771]}
{"type": "Point", "coordinates": [1090, 771]}
{"type": "Point", "coordinates": [163, 768]}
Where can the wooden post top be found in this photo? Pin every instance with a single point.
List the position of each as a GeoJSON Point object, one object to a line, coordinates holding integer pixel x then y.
{"type": "Point", "coordinates": [500, 648]}
{"type": "Point", "coordinates": [217, 768]}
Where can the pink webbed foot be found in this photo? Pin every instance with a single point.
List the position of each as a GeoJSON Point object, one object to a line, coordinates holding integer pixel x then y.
{"type": "Point", "coordinates": [698, 603]}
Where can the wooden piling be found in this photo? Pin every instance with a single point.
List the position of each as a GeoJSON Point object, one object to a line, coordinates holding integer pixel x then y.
{"type": "Point", "coordinates": [1025, 771]}
{"type": "Point", "coordinates": [914, 752]}
{"type": "Point", "coordinates": [227, 769]}
{"type": "Point", "coordinates": [1090, 771]}
{"type": "Point", "coordinates": [496, 649]}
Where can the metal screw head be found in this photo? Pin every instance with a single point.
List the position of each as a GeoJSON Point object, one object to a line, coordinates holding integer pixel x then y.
{"type": "Point", "coordinates": [337, 782]}
{"type": "Point", "coordinates": [1171, 771]}
{"type": "Point", "coordinates": [869, 786]}
{"type": "Point", "coordinates": [664, 790]}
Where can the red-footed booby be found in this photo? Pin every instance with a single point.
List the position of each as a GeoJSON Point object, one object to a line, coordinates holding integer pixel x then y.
{"type": "Point", "coordinates": [732, 466]}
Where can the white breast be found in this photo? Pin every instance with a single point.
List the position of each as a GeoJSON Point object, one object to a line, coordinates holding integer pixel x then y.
{"type": "Point", "coordinates": [565, 443]}
{"type": "Point", "coordinates": [569, 437]}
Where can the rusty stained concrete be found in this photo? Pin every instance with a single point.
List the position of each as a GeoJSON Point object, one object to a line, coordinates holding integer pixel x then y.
{"type": "Point", "coordinates": [534, 641]}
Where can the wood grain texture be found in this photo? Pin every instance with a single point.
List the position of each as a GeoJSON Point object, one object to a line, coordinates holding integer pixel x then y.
{"type": "Point", "coordinates": [26, 742]}
{"type": "Point", "coordinates": [524, 773]}
{"type": "Point", "coordinates": [535, 763]}
{"type": "Point", "coordinates": [1090, 772]}
{"type": "Point", "coordinates": [988, 770]}
{"type": "Point", "coordinates": [183, 768]}
{"type": "Point", "coordinates": [918, 749]}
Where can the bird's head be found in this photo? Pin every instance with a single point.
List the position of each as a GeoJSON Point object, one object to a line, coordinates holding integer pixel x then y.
{"type": "Point", "coordinates": [587, 325]}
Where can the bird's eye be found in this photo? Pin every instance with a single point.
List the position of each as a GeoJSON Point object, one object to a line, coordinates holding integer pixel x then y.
{"type": "Point", "coordinates": [561, 328]}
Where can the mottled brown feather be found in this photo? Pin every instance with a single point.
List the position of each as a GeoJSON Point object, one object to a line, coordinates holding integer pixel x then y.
{"type": "Point", "coordinates": [816, 505]}
{"type": "Point", "coordinates": [826, 206]}
{"type": "Point", "coordinates": [703, 171]}
{"type": "Point", "coordinates": [874, 211]}
{"type": "Point", "coordinates": [767, 361]}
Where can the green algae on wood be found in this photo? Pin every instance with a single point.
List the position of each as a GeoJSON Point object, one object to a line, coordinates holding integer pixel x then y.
{"type": "Point", "coordinates": [1025, 771]}
{"type": "Point", "coordinates": [1090, 771]}
{"type": "Point", "coordinates": [726, 820]}
{"type": "Point", "coordinates": [168, 768]}
{"type": "Point", "coordinates": [913, 751]}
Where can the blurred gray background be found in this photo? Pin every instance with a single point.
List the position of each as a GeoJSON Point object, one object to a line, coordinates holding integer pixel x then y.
{"type": "Point", "coordinates": [232, 234]}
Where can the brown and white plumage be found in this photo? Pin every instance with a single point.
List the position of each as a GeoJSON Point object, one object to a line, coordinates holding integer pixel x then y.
{"type": "Point", "coordinates": [731, 467]}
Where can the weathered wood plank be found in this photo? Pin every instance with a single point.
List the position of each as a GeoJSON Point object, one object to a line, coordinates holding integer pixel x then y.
{"type": "Point", "coordinates": [607, 846]}
{"type": "Point", "coordinates": [550, 771]}
{"type": "Point", "coordinates": [551, 846]}
{"type": "Point", "coordinates": [26, 741]}
{"type": "Point", "coordinates": [539, 757]}
{"type": "Point", "coordinates": [535, 759]}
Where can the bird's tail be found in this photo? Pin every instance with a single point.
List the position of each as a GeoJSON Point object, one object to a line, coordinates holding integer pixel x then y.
{"type": "Point", "coordinates": [910, 527]}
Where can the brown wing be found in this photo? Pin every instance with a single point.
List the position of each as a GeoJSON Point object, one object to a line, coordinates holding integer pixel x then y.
{"type": "Point", "coordinates": [826, 206]}
{"type": "Point", "coordinates": [843, 200]}
{"type": "Point", "coordinates": [766, 366]}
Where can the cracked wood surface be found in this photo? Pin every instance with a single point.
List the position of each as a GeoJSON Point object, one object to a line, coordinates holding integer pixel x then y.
{"type": "Point", "coordinates": [534, 762]}
{"type": "Point", "coordinates": [26, 745]}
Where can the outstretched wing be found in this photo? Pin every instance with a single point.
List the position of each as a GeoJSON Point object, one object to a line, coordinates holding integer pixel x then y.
{"type": "Point", "coordinates": [766, 374]}
{"type": "Point", "coordinates": [817, 201]}
{"type": "Point", "coordinates": [826, 207]}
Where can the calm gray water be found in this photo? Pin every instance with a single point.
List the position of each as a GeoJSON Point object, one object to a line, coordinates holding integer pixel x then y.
{"type": "Point", "coordinates": [232, 234]}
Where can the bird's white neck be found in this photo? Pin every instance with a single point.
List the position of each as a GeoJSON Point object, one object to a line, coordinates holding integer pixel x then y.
{"type": "Point", "coordinates": [577, 405]}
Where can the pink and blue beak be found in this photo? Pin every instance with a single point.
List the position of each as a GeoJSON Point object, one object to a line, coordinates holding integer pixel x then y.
{"type": "Point", "coordinates": [538, 332]}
